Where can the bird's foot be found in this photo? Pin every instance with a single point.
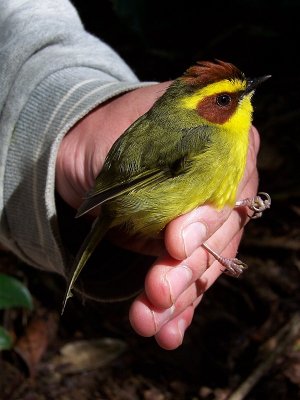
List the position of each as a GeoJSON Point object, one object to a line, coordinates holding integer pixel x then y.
{"type": "Point", "coordinates": [233, 266]}
{"type": "Point", "coordinates": [256, 204]}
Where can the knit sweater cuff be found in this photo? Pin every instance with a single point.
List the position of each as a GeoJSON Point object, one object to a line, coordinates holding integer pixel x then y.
{"type": "Point", "coordinates": [54, 106]}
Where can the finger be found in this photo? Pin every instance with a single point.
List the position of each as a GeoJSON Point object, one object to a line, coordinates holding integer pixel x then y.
{"type": "Point", "coordinates": [148, 320]}
{"type": "Point", "coordinates": [254, 140]}
{"type": "Point", "coordinates": [172, 333]}
{"type": "Point", "coordinates": [251, 160]}
{"type": "Point", "coordinates": [187, 232]}
{"type": "Point", "coordinates": [169, 278]}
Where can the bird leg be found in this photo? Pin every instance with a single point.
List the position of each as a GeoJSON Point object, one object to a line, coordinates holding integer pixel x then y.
{"type": "Point", "coordinates": [256, 204]}
{"type": "Point", "coordinates": [233, 266]}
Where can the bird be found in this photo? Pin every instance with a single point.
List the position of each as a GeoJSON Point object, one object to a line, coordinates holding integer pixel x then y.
{"type": "Point", "coordinates": [189, 149]}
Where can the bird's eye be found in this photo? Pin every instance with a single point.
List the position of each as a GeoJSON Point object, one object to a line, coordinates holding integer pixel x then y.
{"type": "Point", "coordinates": [223, 100]}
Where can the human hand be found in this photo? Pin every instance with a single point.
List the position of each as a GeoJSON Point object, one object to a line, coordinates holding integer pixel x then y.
{"type": "Point", "coordinates": [177, 280]}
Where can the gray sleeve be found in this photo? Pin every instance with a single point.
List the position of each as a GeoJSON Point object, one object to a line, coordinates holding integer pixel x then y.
{"type": "Point", "coordinates": [52, 73]}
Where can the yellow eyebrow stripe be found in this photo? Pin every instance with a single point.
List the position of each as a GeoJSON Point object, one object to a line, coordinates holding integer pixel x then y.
{"type": "Point", "coordinates": [229, 86]}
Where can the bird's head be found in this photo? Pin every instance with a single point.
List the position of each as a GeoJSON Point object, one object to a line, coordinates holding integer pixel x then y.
{"type": "Point", "coordinates": [218, 93]}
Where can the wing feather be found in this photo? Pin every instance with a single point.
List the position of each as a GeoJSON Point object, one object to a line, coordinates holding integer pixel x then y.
{"type": "Point", "coordinates": [100, 196]}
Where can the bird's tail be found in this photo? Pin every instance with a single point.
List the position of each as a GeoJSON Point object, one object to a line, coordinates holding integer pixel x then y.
{"type": "Point", "coordinates": [94, 237]}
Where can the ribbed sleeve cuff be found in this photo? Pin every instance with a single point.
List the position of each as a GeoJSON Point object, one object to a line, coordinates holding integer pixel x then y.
{"type": "Point", "coordinates": [52, 109]}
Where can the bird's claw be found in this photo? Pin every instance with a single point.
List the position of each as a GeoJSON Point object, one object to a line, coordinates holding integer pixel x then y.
{"type": "Point", "coordinates": [256, 204]}
{"type": "Point", "coordinates": [233, 266]}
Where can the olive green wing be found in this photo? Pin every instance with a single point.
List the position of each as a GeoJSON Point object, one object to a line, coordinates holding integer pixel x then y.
{"type": "Point", "coordinates": [104, 193]}
{"type": "Point", "coordinates": [137, 160]}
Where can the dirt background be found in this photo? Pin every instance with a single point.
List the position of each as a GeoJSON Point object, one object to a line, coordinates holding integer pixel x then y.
{"type": "Point", "coordinates": [243, 328]}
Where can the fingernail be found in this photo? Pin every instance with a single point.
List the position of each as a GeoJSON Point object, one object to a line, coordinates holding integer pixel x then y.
{"type": "Point", "coordinates": [178, 279]}
{"type": "Point", "coordinates": [193, 236]}
{"type": "Point", "coordinates": [160, 317]}
{"type": "Point", "coordinates": [181, 328]}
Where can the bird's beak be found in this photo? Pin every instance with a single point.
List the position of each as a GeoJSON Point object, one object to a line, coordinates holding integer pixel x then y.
{"type": "Point", "coordinates": [253, 83]}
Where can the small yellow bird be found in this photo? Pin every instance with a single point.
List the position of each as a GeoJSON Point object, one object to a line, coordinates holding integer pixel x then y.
{"type": "Point", "coordinates": [189, 149]}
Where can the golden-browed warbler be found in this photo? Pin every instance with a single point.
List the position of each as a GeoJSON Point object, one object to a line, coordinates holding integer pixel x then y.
{"type": "Point", "coordinates": [189, 149]}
